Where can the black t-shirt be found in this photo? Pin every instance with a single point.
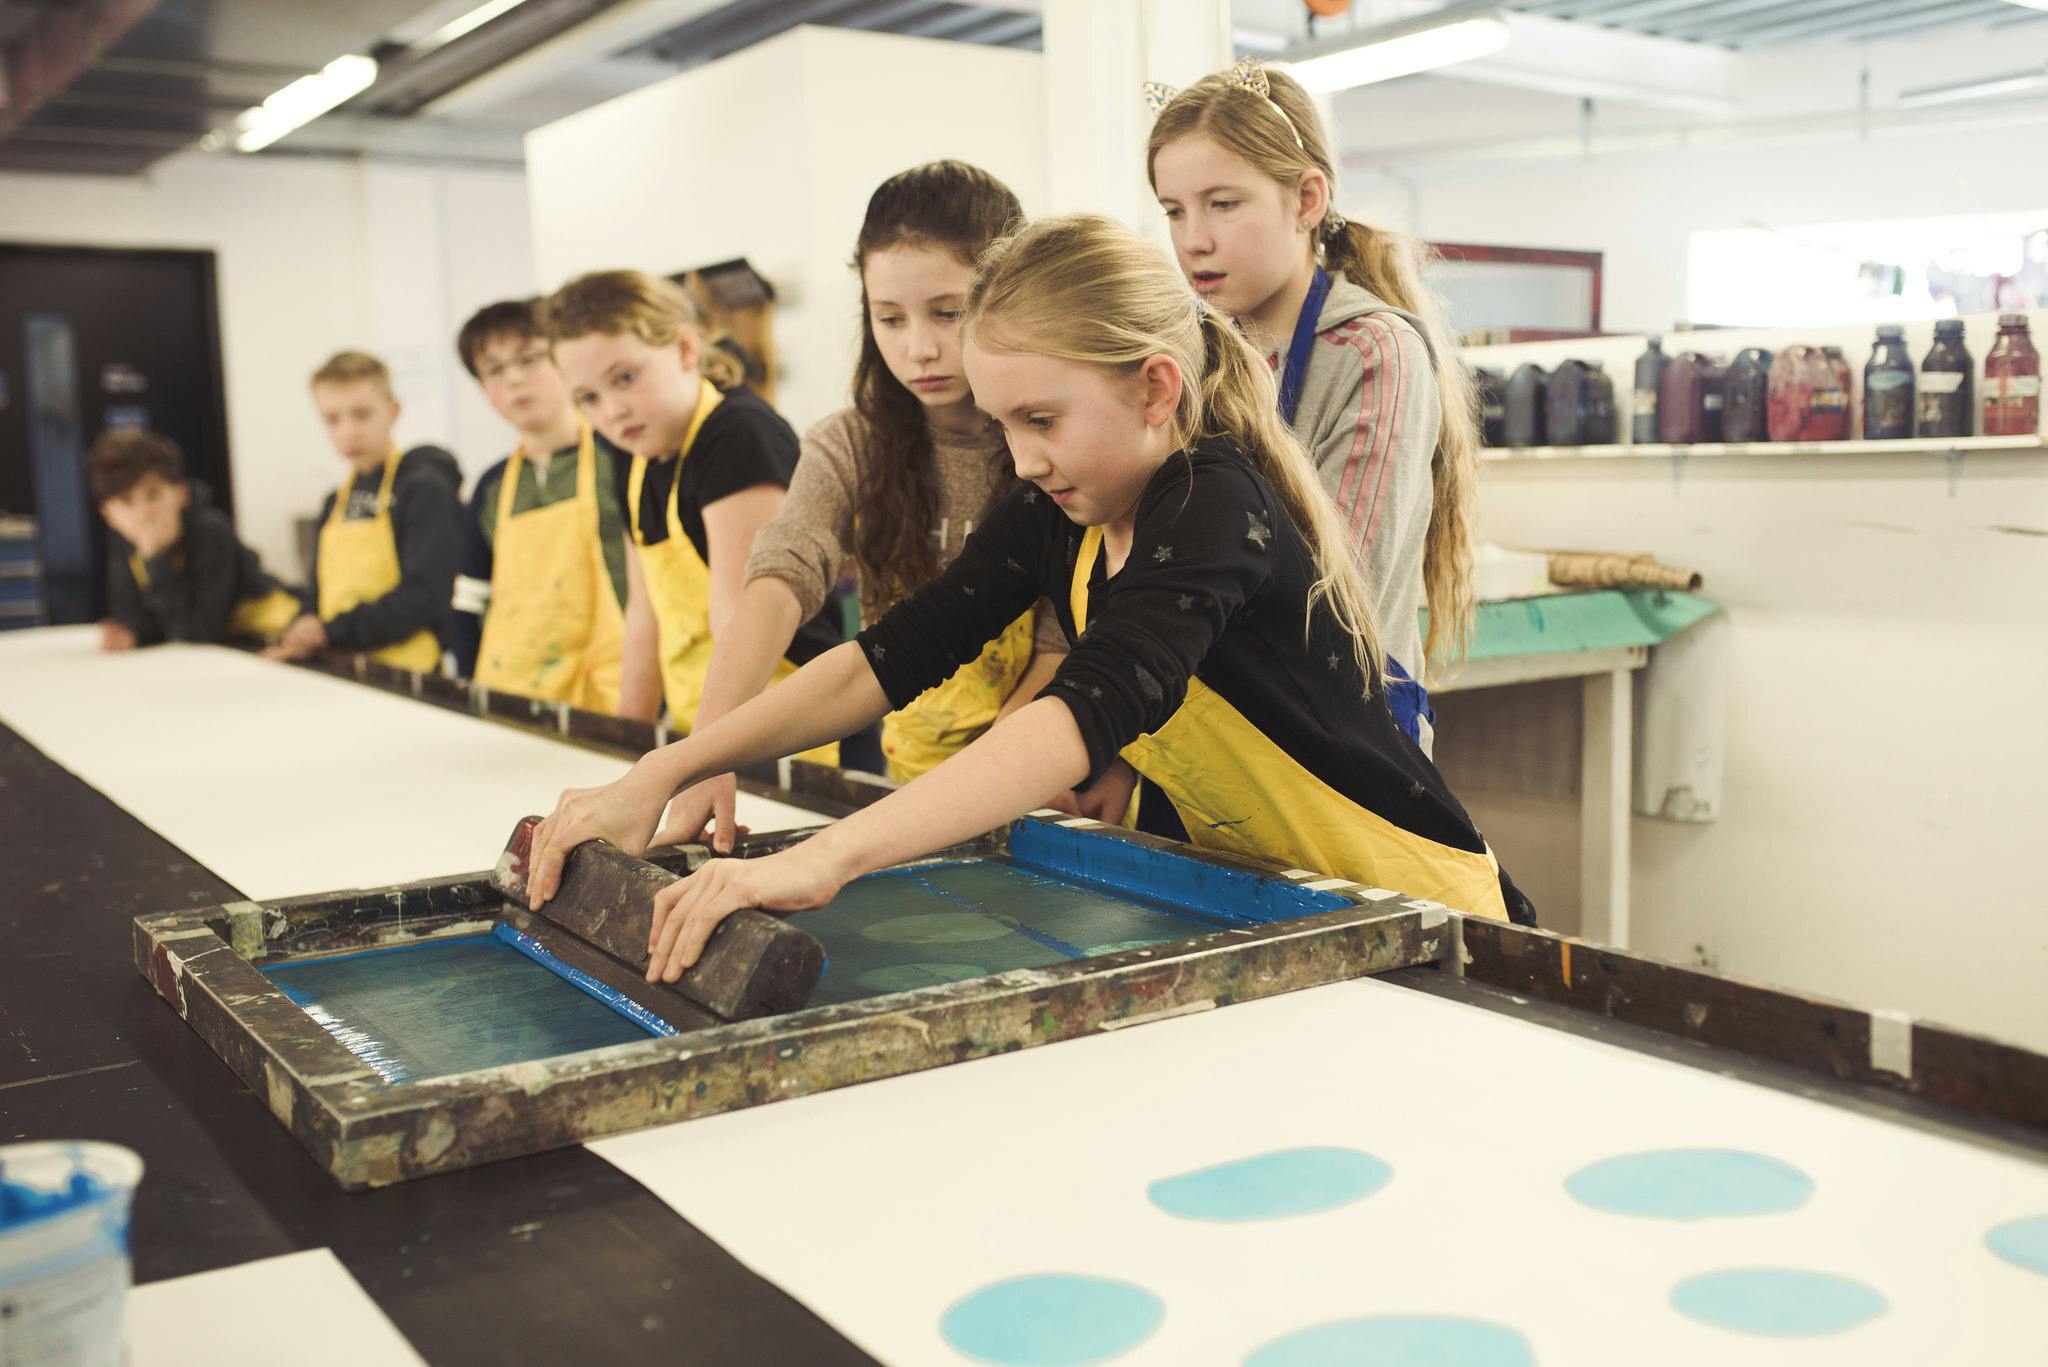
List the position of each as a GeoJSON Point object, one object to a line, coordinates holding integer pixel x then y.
{"type": "Point", "coordinates": [743, 443]}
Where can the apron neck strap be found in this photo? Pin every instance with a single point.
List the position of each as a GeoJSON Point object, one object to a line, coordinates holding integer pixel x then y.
{"type": "Point", "coordinates": [1292, 378]}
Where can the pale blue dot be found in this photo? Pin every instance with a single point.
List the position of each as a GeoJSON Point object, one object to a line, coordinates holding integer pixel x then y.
{"type": "Point", "coordinates": [1781, 1302]}
{"type": "Point", "coordinates": [903, 977]}
{"type": "Point", "coordinates": [1398, 1341]}
{"type": "Point", "coordinates": [1118, 947]}
{"type": "Point", "coordinates": [1052, 1320]}
{"type": "Point", "coordinates": [1272, 1185]}
{"type": "Point", "coordinates": [1691, 1184]}
{"type": "Point", "coordinates": [2023, 1243]}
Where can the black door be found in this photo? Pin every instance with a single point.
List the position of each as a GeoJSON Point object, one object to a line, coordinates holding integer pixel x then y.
{"type": "Point", "coordinates": [91, 339]}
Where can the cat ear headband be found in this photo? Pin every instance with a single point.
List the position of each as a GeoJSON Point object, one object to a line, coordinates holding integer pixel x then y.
{"type": "Point", "coordinates": [1249, 75]}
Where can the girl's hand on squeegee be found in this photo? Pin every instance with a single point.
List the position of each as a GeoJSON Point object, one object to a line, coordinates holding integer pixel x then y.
{"type": "Point", "coordinates": [623, 813]}
{"type": "Point", "coordinates": [686, 912]}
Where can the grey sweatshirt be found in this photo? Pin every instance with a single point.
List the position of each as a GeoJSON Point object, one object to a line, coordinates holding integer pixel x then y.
{"type": "Point", "coordinates": [1369, 416]}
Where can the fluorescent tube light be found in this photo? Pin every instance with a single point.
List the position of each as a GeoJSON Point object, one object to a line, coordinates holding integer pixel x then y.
{"type": "Point", "coordinates": [302, 101]}
{"type": "Point", "coordinates": [1459, 33]}
{"type": "Point", "coordinates": [1981, 89]}
{"type": "Point", "coordinates": [455, 28]}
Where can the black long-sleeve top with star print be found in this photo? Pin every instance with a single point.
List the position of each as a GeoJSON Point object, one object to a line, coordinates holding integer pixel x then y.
{"type": "Point", "coordinates": [1215, 585]}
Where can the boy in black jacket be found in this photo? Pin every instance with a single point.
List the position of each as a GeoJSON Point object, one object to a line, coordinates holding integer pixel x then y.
{"type": "Point", "coordinates": [175, 570]}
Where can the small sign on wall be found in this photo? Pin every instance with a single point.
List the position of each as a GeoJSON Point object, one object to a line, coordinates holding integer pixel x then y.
{"type": "Point", "coordinates": [118, 377]}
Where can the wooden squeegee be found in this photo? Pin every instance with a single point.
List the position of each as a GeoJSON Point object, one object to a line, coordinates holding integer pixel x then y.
{"type": "Point", "coordinates": [756, 964]}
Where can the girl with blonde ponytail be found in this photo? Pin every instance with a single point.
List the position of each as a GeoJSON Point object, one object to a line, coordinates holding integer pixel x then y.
{"type": "Point", "coordinates": [1370, 379]}
{"type": "Point", "coordinates": [1223, 640]}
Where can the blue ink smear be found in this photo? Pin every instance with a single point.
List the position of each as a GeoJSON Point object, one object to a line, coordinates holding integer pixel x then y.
{"type": "Point", "coordinates": [1052, 1320]}
{"type": "Point", "coordinates": [1272, 1186]}
{"type": "Point", "coordinates": [1779, 1302]}
{"type": "Point", "coordinates": [1398, 1341]}
{"type": "Point", "coordinates": [1691, 1184]}
{"type": "Point", "coordinates": [2023, 1243]}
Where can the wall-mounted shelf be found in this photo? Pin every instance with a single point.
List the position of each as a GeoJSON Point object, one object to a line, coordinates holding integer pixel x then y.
{"type": "Point", "coordinates": [1909, 446]}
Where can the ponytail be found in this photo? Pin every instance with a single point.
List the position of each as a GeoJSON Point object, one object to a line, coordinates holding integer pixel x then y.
{"type": "Point", "coordinates": [1390, 266]}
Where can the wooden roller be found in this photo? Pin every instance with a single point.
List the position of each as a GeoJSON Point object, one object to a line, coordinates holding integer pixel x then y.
{"type": "Point", "coordinates": [755, 964]}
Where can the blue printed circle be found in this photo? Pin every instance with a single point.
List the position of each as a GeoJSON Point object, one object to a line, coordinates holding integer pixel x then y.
{"type": "Point", "coordinates": [1691, 1184]}
{"type": "Point", "coordinates": [2023, 1243]}
{"type": "Point", "coordinates": [1398, 1341]}
{"type": "Point", "coordinates": [904, 977]}
{"type": "Point", "coordinates": [1779, 1302]}
{"type": "Point", "coordinates": [1052, 1320]}
{"type": "Point", "coordinates": [1272, 1186]}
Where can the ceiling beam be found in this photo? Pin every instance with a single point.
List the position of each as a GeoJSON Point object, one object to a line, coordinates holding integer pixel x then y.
{"type": "Point", "coordinates": [1566, 57]}
{"type": "Point", "coordinates": [624, 26]}
{"type": "Point", "coordinates": [1815, 23]}
{"type": "Point", "coordinates": [59, 46]}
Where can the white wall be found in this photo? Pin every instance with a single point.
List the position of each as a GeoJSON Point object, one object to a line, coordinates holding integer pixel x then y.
{"type": "Point", "coordinates": [314, 255]}
{"type": "Point", "coordinates": [771, 154]}
{"type": "Point", "coordinates": [1640, 211]}
{"type": "Point", "coordinates": [1883, 795]}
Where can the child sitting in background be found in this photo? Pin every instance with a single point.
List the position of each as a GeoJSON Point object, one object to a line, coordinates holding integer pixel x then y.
{"type": "Point", "coordinates": [175, 570]}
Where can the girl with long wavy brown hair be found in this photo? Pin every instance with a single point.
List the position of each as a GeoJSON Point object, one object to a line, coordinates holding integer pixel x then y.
{"type": "Point", "coordinates": [895, 482]}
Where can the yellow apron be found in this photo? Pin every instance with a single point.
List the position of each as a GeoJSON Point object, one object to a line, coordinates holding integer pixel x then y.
{"type": "Point", "coordinates": [553, 629]}
{"type": "Point", "coordinates": [679, 587]}
{"type": "Point", "coordinates": [264, 617]}
{"type": "Point", "coordinates": [945, 719]}
{"type": "Point", "coordinates": [358, 563]}
{"type": "Point", "coordinates": [1237, 791]}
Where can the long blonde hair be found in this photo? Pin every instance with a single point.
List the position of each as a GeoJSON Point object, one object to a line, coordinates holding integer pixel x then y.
{"type": "Point", "coordinates": [621, 303]}
{"type": "Point", "coordinates": [1085, 288]}
{"type": "Point", "coordinates": [1388, 265]}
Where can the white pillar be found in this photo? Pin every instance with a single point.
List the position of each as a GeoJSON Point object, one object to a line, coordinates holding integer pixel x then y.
{"type": "Point", "coordinates": [1098, 54]}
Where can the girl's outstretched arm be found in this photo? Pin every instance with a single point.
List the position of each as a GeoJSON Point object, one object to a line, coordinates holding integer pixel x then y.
{"type": "Point", "coordinates": [832, 696]}
{"type": "Point", "coordinates": [1018, 765]}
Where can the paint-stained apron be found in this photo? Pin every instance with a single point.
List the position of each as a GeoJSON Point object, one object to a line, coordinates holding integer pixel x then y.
{"type": "Point", "coordinates": [358, 563]}
{"type": "Point", "coordinates": [679, 587]}
{"type": "Point", "coordinates": [1236, 790]}
{"type": "Point", "coordinates": [554, 629]}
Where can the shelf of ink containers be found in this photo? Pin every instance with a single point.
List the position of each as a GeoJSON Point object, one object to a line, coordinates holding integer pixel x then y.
{"type": "Point", "coordinates": [1949, 387]}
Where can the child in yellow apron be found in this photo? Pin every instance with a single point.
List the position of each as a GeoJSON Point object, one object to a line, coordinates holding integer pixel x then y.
{"type": "Point", "coordinates": [554, 629]}
{"type": "Point", "coordinates": [358, 563]}
{"type": "Point", "coordinates": [263, 617]}
{"type": "Point", "coordinates": [679, 590]}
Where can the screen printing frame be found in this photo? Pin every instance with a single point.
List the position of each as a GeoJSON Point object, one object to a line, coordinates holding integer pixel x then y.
{"type": "Point", "coordinates": [1895, 1060]}
{"type": "Point", "coordinates": [208, 964]}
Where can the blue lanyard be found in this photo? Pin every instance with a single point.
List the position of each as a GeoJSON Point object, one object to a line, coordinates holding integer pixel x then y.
{"type": "Point", "coordinates": [1297, 351]}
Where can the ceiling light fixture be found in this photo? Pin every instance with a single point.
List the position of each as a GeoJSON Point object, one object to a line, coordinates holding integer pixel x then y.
{"type": "Point", "coordinates": [468, 23]}
{"type": "Point", "coordinates": [1982, 88]}
{"type": "Point", "coordinates": [1445, 37]}
{"type": "Point", "coordinates": [303, 101]}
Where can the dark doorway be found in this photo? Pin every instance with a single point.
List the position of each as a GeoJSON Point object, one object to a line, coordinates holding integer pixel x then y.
{"type": "Point", "coordinates": [91, 339]}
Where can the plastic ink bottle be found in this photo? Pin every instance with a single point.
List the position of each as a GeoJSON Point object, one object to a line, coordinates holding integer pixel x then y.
{"type": "Point", "coordinates": [1649, 377]}
{"type": "Point", "coordinates": [1888, 388]}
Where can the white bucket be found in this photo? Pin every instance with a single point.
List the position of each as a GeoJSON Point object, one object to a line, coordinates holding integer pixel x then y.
{"type": "Point", "coordinates": [64, 1252]}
